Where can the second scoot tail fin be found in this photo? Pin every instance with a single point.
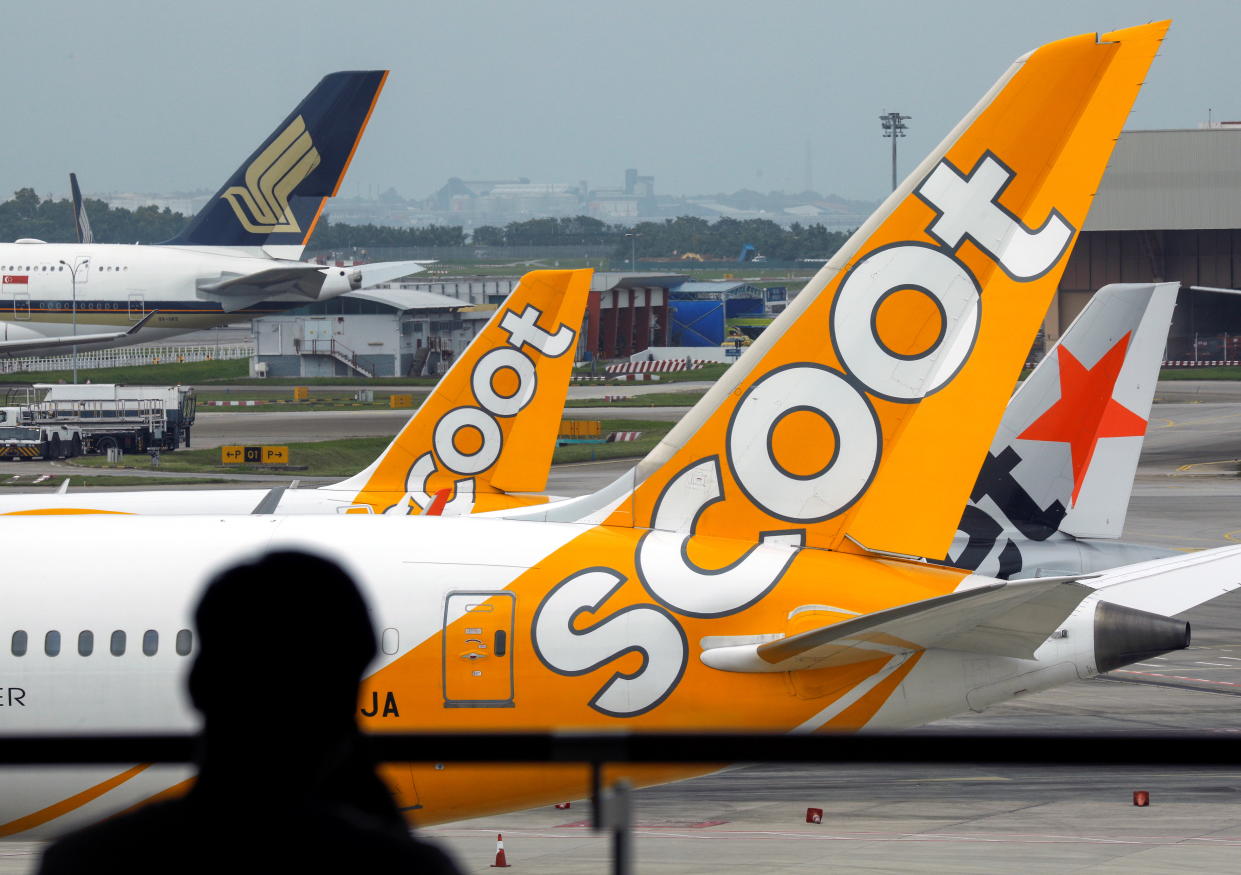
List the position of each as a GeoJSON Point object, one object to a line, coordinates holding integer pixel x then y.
{"type": "Point", "coordinates": [490, 425]}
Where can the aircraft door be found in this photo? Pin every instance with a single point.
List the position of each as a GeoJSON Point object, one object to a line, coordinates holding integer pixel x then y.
{"type": "Point", "coordinates": [478, 649]}
{"type": "Point", "coordinates": [137, 307]}
{"type": "Point", "coordinates": [21, 306]}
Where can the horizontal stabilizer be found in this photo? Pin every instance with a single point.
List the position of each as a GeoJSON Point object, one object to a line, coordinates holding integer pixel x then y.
{"type": "Point", "coordinates": [33, 344]}
{"type": "Point", "coordinates": [1001, 619]}
{"type": "Point", "coordinates": [1174, 584]}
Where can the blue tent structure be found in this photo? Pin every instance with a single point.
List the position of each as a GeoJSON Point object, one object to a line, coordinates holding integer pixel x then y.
{"type": "Point", "coordinates": [696, 323]}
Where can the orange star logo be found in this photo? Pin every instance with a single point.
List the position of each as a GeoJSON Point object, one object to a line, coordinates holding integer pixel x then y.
{"type": "Point", "coordinates": [1086, 410]}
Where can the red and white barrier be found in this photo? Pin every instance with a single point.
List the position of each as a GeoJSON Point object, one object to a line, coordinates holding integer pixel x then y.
{"type": "Point", "coordinates": [626, 377]}
{"type": "Point", "coordinates": [618, 437]}
{"type": "Point", "coordinates": [1200, 364]}
{"type": "Point", "coordinates": [661, 366]}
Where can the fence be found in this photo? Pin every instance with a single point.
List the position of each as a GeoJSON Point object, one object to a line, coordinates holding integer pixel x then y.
{"type": "Point", "coordinates": [128, 356]}
{"type": "Point", "coordinates": [612, 807]}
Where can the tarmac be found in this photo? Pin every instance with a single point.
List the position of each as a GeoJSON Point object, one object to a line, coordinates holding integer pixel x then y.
{"type": "Point", "coordinates": [959, 819]}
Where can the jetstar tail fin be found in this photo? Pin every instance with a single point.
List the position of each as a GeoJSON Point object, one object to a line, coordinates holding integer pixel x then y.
{"type": "Point", "coordinates": [865, 410]}
{"type": "Point", "coordinates": [1065, 454]}
{"type": "Point", "coordinates": [490, 424]}
{"type": "Point", "coordinates": [276, 196]}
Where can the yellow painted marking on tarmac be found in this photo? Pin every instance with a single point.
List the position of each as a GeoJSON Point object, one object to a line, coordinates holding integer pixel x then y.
{"type": "Point", "coordinates": [1158, 536]}
{"type": "Point", "coordinates": [1216, 462]}
{"type": "Point", "coordinates": [1224, 418]}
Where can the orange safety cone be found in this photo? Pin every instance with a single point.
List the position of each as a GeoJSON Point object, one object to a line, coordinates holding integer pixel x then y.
{"type": "Point", "coordinates": [501, 860]}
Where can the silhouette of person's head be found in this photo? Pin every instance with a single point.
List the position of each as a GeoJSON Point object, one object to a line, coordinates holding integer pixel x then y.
{"type": "Point", "coordinates": [283, 642]}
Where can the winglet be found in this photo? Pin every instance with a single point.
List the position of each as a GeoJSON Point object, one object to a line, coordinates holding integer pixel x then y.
{"type": "Point", "coordinates": [80, 220]}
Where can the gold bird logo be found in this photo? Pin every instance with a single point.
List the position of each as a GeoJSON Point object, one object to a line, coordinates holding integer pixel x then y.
{"type": "Point", "coordinates": [262, 204]}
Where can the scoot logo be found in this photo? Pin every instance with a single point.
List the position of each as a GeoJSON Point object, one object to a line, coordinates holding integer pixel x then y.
{"type": "Point", "coordinates": [262, 204]}
{"type": "Point", "coordinates": [966, 208]}
{"type": "Point", "coordinates": [467, 440]}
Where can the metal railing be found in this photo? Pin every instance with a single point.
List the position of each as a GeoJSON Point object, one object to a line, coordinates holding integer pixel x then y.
{"type": "Point", "coordinates": [611, 807]}
{"type": "Point", "coordinates": [128, 356]}
{"type": "Point", "coordinates": [335, 350]}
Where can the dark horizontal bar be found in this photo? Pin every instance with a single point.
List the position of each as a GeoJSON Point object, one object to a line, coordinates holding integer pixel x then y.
{"type": "Point", "coordinates": [509, 747]}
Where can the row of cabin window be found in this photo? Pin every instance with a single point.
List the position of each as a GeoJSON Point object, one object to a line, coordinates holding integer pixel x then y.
{"type": "Point", "coordinates": [116, 643]}
{"type": "Point", "coordinates": [46, 267]}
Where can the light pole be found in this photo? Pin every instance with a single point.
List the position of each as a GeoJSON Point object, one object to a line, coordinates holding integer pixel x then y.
{"type": "Point", "coordinates": [73, 279]}
{"type": "Point", "coordinates": [633, 249]}
{"type": "Point", "coordinates": [894, 126]}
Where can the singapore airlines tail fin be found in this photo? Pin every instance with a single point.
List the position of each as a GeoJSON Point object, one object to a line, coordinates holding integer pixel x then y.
{"type": "Point", "coordinates": [275, 197]}
{"type": "Point", "coordinates": [1065, 454]}
{"type": "Point", "coordinates": [860, 418]}
{"type": "Point", "coordinates": [490, 425]}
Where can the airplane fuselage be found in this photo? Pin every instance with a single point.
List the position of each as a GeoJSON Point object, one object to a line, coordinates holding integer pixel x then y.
{"type": "Point", "coordinates": [117, 285]}
{"type": "Point", "coordinates": [483, 624]}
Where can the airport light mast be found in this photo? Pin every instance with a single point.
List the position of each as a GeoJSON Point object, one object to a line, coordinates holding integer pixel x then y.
{"type": "Point", "coordinates": [633, 251]}
{"type": "Point", "coordinates": [893, 127]}
{"type": "Point", "coordinates": [79, 263]}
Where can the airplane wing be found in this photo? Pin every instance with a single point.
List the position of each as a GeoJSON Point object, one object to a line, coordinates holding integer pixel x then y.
{"type": "Point", "coordinates": [299, 279]}
{"type": "Point", "coordinates": [385, 272]}
{"type": "Point", "coordinates": [1002, 619]}
{"type": "Point", "coordinates": [33, 344]}
{"type": "Point", "coordinates": [238, 291]}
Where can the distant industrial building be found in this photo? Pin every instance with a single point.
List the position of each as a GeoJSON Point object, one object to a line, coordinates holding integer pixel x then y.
{"type": "Point", "coordinates": [1168, 209]}
{"type": "Point", "coordinates": [419, 328]}
{"type": "Point", "coordinates": [415, 329]}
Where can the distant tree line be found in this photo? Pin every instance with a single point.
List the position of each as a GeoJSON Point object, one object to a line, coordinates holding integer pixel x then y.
{"type": "Point", "coordinates": [25, 215]}
{"type": "Point", "coordinates": [338, 236]}
{"type": "Point", "coordinates": [723, 239]}
{"type": "Point", "coordinates": [571, 231]}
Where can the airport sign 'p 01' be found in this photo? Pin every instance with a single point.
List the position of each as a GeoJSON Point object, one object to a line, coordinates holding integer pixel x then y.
{"type": "Point", "coordinates": [236, 455]}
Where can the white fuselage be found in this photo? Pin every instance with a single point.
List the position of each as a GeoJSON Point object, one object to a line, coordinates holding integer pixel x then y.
{"type": "Point", "coordinates": [117, 285]}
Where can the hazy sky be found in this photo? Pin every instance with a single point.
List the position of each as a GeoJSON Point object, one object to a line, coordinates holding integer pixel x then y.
{"type": "Point", "coordinates": [706, 96]}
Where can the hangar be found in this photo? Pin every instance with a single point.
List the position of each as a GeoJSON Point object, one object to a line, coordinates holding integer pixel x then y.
{"type": "Point", "coordinates": [1169, 208]}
